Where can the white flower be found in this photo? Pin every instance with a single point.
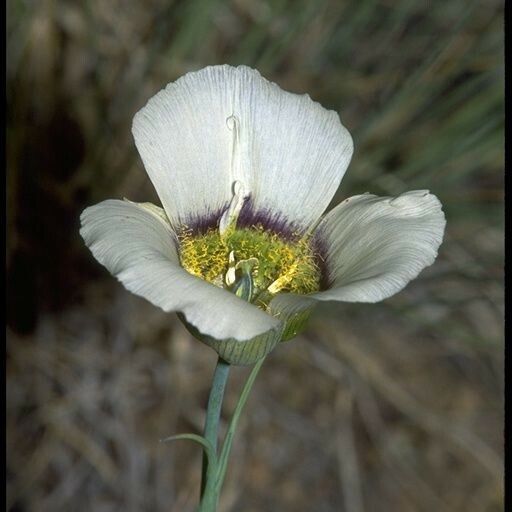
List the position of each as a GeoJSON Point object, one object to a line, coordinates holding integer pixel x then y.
{"type": "Point", "coordinates": [244, 171]}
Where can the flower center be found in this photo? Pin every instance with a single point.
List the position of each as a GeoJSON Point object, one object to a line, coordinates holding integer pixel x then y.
{"type": "Point", "coordinates": [251, 262]}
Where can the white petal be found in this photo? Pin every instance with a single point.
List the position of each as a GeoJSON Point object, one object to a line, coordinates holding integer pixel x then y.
{"type": "Point", "coordinates": [375, 245]}
{"type": "Point", "coordinates": [223, 124]}
{"type": "Point", "coordinates": [156, 211]}
{"type": "Point", "coordinates": [138, 248]}
{"type": "Point", "coordinates": [183, 138]}
{"type": "Point", "coordinates": [294, 152]}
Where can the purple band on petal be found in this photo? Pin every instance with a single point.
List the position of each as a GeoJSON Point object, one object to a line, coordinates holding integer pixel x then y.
{"type": "Point", "coordinates": [319, 245]}
{"type": "Point", "coordinates": [271, 221]}
{"type": "Point", "coordinates": [200, 224]}
{"type": "Point", "coordinates": [249, 217]}
{"type": "Point", "coordinates": [268, 219]}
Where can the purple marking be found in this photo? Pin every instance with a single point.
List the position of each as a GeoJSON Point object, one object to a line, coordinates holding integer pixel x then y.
{"type": "Point", "coordinates": [271, 221]}
{"type": "Point", "coordinates": [268, 219]}
{"type": "Point", "coordinates": [319, 246]}
{"type": "Point", "coordinates": [277, 223]}
{"type": "Point", "coordinates": [200, 224]}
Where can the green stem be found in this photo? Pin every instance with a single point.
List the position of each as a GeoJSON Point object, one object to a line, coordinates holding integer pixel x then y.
{"type": "Point", "coordinates": [211, 425]}
{"type": "Point", "coordinates": [228, 441]}
{"type": "Point", "coordinates": [210, 495]}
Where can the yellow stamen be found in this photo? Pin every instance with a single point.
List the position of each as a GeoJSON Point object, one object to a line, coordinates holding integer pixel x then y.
{"type": "Point", "coordinates": [277, 265]}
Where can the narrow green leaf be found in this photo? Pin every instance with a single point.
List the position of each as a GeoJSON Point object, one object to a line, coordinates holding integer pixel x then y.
{"type": "Point", "coordinates": [206, 445]}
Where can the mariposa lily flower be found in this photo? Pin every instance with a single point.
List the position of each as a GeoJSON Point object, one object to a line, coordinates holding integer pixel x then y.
{"type": "Point", "coordinates": [244, 172]}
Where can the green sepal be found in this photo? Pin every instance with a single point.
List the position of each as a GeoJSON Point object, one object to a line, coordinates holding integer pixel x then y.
{"type": "Point", "coordinates": [242, 353]}
{"type": "Point", "coordinates": [294, 314]}
{"type": "Point", "coordinates": [295, 324]}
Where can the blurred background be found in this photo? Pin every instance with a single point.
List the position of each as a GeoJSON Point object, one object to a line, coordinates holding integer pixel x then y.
{"type": "Point", "coordinates": [390, 406]}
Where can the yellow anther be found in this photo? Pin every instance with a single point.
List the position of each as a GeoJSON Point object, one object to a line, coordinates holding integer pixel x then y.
{"type": "Point", "coordinates": [273, 264]}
